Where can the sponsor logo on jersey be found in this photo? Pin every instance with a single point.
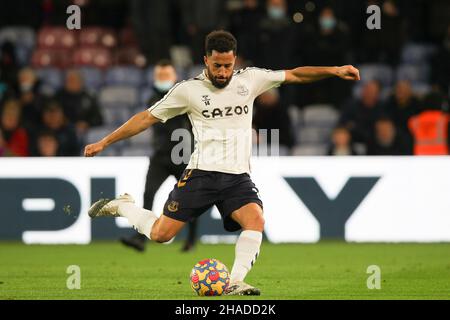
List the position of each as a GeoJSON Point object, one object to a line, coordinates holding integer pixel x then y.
{"type": "Point", "coordinates": [224, 112]}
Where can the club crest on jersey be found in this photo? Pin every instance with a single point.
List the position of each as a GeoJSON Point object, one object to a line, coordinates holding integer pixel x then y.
{"type": "Point", "coordinates": [242, 90]}
{"type": "Point", "coordinates": [173, 206]}
{"type": "Point", "coordinates": [206, 100]}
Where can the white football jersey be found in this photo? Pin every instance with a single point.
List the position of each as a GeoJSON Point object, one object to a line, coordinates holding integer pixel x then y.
{"type": "Point", "coordinates": [221, 118]}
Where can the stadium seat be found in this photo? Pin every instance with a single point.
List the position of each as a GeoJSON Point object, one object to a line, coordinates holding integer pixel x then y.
{"type": "Point", "coordinates": [321, 115]}
{"type": "Point", "coordinates": [93, 78]}
{"type": "Point", "coordinates": [313, 135]}
{"type": "Point", "coordinates": [129, 56]}
{"type": "Point", "coordinates": [115, 114]}
{"type": "Point", "coordinates": [51, 78]}
{"type": "Point", "coordinates": [143, 139]}
{"type": "Point", "coordinates": [415, 53]}
{"type": "Point", "coordinates": [58, 58]}
{"type": "Point", "coordinates": [195, 71]}
{"type": "Point", "coordinates": [123, 95]}
{"type": "Point", "coordinates": [413, 72]}
{"type": "Point", "coordinates": [131, 76]}
{"type": "Point", "coordinates": [24, 36]}
{"type": "Point", "coordinates": [132, 151]}
{"type": "Point", "coordinates": [310, 150]}
{"type": "Point", "coordinates": [127, 37]}
{"type": "Point", "coordinates": [57, 37]}
{"type": "Point", "coordinates": [380, 72]}
{"type": "Point", "coordinates": [420, 89]}
{"type": "Point", "coordinates": [92, 57]}
{"type": "Point", "coordinates": [98, 36]}
{"type": "Point", "coordinates": [23, 39]}
{"type": "Point", "coordinates": [295, 115]}
{"type": "Point", "coordinates": [144, 95]}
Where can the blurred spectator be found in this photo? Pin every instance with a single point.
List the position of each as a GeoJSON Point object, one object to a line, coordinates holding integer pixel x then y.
{"type": "Point", "coordinates": [341, 143]}
{"type": "Point", "coordinates": [8, 65]}
{"type": "Point", "coordinates": [402, 104]}
{"type": "Point", "coordinates": [79, 106]}
{"type": "Point", "coordinates": [326, 44]}
{"type": "Point", "coordinates": [27, 91]}
{"type": "Point", "coordinates": [360, 114]}
{"type": "Point", "coordinates": [384, 45]}
{"type": "Point", "coordinates": [270, 114]}
{"type": "Point", "coordinates": [244, 25]}
{"type": "Point", "coordinates": [199, 18]}
{"type": "Point", "coordinates": [13, 137]}
{"type": "Point", "coordinates": [53, 121]}
{"type": "Point", "coordinates": [441, 64]}
{"type": "Point", "coordinates": [387, 140]}
{"type": "Point", "coordinates": [275, 34]}
{"type": "Point", "coordinates": [153, 27]}
{"type": "Point", "coordinates": [47, 145]}
{"type": "Point", "coordinates": [430, 128]}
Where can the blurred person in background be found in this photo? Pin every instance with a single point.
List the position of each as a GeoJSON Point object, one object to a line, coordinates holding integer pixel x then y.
{"type": "Point", "coordinates": [244, 23]}
{"type": "Point", "coordinates": [27, 91]}
{"type": "Point", "coordinates": [275, 29]}
{"type": "Point", "coordinates": [13, 137]}
{"type": "Point", "coordinates": [54, 121]}
{"type": "Point", "coordinates": [430, 127]}
{"type": "Point", "coordinates": [8, 66]}
{"type": "Point", "coordinates": [79, 107]}
{"type": "Point", "coordinates": [199, 17]}
{"type": "Point", "coordinates": [387, 140]}
{"type": "Point", "coordinates": [328, 42]}
{"type": "Point", "coordinates": [441, 64]}
{"type": "Point", "coordinates": [152, 24]}
{"type": "Point", "coordinates": [271, 114]}
{"type": "Point", "coordinates": [359, 114]}
{"type": "Point", "coordinates": [341, 143]}
{"type": "Point", "coordinates": [384, 45]}
{"type": "Point", "coordinates": [161, 165]}
{"type": "Point", "coordinates": [47, 145]}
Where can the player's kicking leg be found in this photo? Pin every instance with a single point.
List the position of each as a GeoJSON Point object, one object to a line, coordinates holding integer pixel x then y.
{"type": "Point", "coordinates": [144, 221]}
{"type": "Point", "coordinates": [250, 217]}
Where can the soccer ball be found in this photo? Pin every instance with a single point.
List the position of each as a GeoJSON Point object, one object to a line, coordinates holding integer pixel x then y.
{"type": "Point", "coordinates": [209, 277]}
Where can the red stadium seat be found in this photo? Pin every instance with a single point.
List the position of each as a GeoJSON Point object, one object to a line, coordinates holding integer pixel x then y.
{"type": "Point", "coordinates": [57, 37]}
{"type": "Point", "coordinates": [59, 58]}
{"type": "Point", "coordinates": [93, 57]}
{"type": "Point", "coordinates": [130, 56]}
{"type": "Point", "coordinates": [128, 38]}
{"type": "Point", "coordinates": [97, 36]}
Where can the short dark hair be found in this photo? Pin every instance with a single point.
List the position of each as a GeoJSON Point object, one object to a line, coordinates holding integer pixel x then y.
{"type": "Point", "coordinates": [221, 41]}
{"type": "Point", "coordinates": [164, 63]}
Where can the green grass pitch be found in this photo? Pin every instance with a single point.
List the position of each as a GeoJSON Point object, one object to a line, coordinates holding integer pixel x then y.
{"type": "Point", "coordinates": [327, 270]}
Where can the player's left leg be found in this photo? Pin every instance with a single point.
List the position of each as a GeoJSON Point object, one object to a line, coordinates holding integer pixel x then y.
{"type": "Point", "coordinates": [250, 218]}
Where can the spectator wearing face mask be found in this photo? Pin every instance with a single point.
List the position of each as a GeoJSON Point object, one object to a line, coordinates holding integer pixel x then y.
{"type": "Point", "coordinates": [326, 43]}
{"type": "Point", "coordinates": [274, 31]}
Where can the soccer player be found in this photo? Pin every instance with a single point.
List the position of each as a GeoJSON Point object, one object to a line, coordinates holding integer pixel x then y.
{"type": "Point", "coordinates": [219, 104]}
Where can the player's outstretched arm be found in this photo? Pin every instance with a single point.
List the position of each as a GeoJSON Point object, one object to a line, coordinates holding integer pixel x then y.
{"type": "Point", "coordinates": [136, 124]}
{"type": "Point", "coordinates": [311, 74]}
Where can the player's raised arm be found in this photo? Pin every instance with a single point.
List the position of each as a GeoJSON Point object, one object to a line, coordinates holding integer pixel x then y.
{"type": "Point", "coordinates": [311, 74]}
{"type": "Point", "coordinates": [136, 124]}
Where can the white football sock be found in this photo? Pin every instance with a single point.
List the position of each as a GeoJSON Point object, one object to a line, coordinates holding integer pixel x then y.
{"type": "Point", "coordinates": [141, 219]}
{"type": "Point", "coordinates": [247, 250]}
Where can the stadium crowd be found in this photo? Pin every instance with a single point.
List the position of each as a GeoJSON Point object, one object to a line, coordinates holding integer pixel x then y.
{"type": "Point", "coordinates": [61, 89]}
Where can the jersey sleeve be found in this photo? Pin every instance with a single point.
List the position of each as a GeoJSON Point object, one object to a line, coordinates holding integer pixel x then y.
{"type": "Point", "coordinates": [265, 79]}
{"type": "Point", "coordinates": [174, 103]}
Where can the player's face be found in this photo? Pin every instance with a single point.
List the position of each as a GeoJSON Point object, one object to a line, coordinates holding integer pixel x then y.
{"type": "Point", "coordinates": [220, 66]}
